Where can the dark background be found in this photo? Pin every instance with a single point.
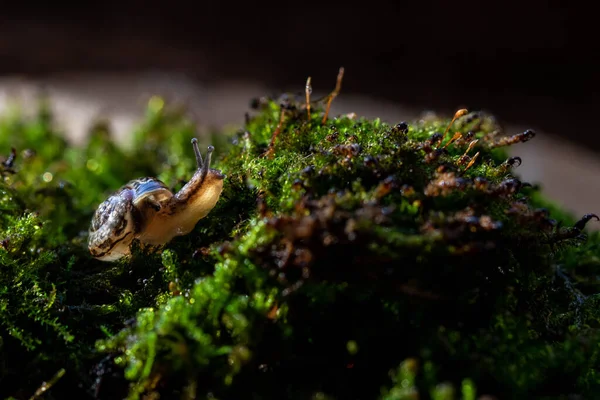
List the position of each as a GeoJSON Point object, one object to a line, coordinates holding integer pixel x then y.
{"type": "Point", "coordinates": [528, 62]}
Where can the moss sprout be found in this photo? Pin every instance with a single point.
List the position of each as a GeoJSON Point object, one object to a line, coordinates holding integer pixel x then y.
{"type": "Point", "coordinates": [346, 258]}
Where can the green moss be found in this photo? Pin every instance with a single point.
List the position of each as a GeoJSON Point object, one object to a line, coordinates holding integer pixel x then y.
{"type": "Point", "coordinates": [346, 259]}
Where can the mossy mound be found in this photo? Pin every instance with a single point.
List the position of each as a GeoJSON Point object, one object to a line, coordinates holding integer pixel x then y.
{"type": "Point", "coordinates": [346, 259]}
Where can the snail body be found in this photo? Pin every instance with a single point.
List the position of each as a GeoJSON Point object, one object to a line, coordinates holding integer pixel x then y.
{"type": "Point", "coordinates": [145, 209]}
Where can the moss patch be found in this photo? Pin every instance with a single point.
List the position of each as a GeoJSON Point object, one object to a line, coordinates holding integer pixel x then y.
{"type": "Point", "coordinates": [345, 259]}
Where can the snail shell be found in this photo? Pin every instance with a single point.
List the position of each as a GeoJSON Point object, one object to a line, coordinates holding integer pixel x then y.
{"type": "Point", "coordinates": [147, 210]}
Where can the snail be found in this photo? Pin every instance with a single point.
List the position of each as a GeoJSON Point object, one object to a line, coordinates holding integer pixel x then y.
{"type": "Point", "coordinates": [145, 209]}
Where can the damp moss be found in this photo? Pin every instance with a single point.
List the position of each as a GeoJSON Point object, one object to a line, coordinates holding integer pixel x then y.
{"type": "Point", "coordinates": [346, 258]}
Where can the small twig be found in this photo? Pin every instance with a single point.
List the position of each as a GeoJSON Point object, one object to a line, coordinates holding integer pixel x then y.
{"type": "Point", "coordinates": [333, 95]}
{"type": "Point", "coordinates": [458, 114]}
{"type": "Point", "coordinates": [276, 133]}
{"type": "Point", "coordinates": [47, 385]}
{"type": "Point", "coordinates": [470, 164]}
{"type": "Point", "coordinates": [456, 136]}
{"type": "Point", "coordinates": [308, 91]}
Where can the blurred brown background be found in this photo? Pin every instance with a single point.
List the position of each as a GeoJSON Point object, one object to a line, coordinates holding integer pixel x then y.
{"type": "Point", "coordinates": [533, 64]}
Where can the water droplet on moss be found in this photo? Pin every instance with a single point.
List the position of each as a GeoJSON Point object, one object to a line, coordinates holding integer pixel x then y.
{"type": "Point", "coordinates": [47, 177]}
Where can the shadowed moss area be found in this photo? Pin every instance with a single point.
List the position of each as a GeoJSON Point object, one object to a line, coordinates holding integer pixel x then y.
{"type": "Point", "coordinates": [345, 259]}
